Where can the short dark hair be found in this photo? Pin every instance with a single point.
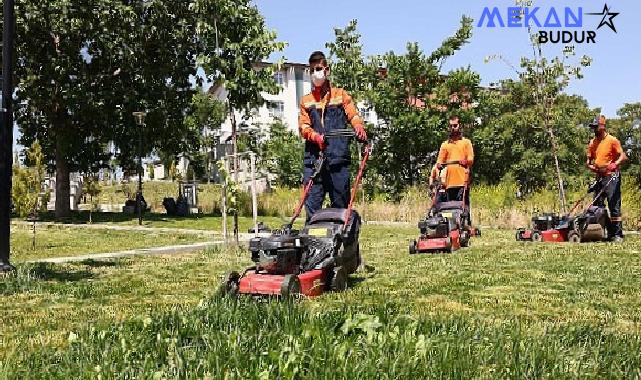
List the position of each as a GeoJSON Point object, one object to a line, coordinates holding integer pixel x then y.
{"type": "Point", "coordinates": [454, 116]}
{"type": "Point", "coordinates": [316, 57]}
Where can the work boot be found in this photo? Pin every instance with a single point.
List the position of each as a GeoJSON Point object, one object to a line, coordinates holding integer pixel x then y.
{"type": "Point", "coordinates": [618, 239]}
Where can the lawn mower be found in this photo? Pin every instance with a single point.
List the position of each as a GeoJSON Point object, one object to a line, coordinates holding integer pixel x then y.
{"type": "Point", "coordinates": [591, 224]}
{"type": "Point", "coordinates": [446, 227]}
{"type": "Point", "coordinates": [540, 223]}
{"type": "Point", "coordinates": [313, 260]}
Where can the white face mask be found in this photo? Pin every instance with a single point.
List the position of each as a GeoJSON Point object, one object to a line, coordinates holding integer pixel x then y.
{"type": "Point", "coordinates": [318, 77]}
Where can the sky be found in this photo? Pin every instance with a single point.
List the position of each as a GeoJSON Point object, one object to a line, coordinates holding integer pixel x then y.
{"type": "Point", "coordinates": [614, 78]}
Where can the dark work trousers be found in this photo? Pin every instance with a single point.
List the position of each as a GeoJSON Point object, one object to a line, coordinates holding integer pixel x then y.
{"type": "Point", "coordinates": [456, 194]}
{"type": "Point", "coordinates": [612, 194]}
{"type": "Point", "coordinates": [332, 180]}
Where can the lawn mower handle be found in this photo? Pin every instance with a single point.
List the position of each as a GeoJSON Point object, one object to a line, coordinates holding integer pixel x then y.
{"type": "Point", "coordinates": [318, 166]}
{"type": "Point", "coordinates": [342, 132]}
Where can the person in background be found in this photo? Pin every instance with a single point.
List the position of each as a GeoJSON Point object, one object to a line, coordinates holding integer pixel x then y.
{"type": "Point", "coordinates": [604, 157]}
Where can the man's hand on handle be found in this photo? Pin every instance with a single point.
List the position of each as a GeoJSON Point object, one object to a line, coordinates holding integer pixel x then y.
{"type": "Point", "coordinates": [318, 139]}
{"type": "Point", "coordinates": [360, 133]}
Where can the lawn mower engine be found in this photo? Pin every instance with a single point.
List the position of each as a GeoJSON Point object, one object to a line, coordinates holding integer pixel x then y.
{"type": "Point", "coordinates": [540, 223]}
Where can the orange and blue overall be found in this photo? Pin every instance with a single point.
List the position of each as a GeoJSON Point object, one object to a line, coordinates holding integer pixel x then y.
{"type": "Point", "coordinates": [320, 113]}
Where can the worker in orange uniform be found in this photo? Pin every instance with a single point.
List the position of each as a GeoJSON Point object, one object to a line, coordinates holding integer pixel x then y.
{"type": "Point", "coordinates": [605, 156]}
{"type": "Point", "coordinates": [327, 108]}
{"type": "Point", "coordinates": [458, 153]}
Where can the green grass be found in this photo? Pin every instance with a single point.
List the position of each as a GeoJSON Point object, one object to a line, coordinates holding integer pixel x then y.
{"type": "Point", "coordinates": [198, 222]}
{"type": "Point", "coordinates": [499, 309]}
{"type": "Point", "coordinates": [61, 241]}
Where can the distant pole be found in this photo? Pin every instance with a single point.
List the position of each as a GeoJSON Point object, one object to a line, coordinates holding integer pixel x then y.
{"type": "Point", "coordinates": [6, 135]}
{"type": "Point", "coordinates": [224, 200]}
{"type": "Point", "coordinates": [252, 157]}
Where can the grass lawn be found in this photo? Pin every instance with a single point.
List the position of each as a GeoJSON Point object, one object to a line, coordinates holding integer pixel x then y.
{"type": "Point", "coordinates": [59, 241]}
{"type": "Point", "coordinates": [198, 222]}
{"type": "Point", "coordinates": [499, 309]}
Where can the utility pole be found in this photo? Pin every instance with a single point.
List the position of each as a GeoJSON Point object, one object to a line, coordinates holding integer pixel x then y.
{"type": "Point", "coordinates": [6, 135]}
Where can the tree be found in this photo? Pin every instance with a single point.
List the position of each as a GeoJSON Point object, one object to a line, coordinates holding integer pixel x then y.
{"type": "Point", "coordinates": [245, 43]}
{"type": "Point", "coordinates": [350, 71]}
{"type": "Point", "coordinates": [281, 155]}
{"type": "Point", "coordinates": [205, 118]}
{"type": "Point", "coordinates": [628, 130]}
{"type": "Point", "coordinates": [411, 97]}
{"type": "Point", "coordinates": [91, 186]}
{"type": "Point", "coordinates": [27, 193]}
{"type": "Point", "coordinates": [85, 66]}
{"type": "Point", "coordinates": [544, 81]}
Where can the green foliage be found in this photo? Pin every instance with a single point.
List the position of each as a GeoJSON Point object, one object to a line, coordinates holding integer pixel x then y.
{"type": "Point", "coordinates": [413, 99]}
{"type": "Point", "coordinates": [237, 35]}
{"type": "Point", "coordinates": [150, 170]}
{"type": "Point", "coordinates": [27, 192]}
{"type": "Point", "coordinates": [282, 156]}
{"type": "Point", "coordinates": [91, 186]}
{"type": "Point", "coordinates": [232, 188]}
{"type": "Point", "coordinates": [628, 130]}
{"type": "Point", "coordinates": [541, 108]}
{"type": "Point", "coordinates": [205, 118]}
{"type": "Point", "coordinates": [350, 71]}
{"type": "Point", "coordinates": [85, 66]}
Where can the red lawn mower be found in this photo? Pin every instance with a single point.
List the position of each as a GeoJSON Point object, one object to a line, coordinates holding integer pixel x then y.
{"type": "Point", "coordinates": [589, 225]}
{"type": "Point", "coordinates": [446, 227]}
{"type": "Point", "coordinates": [310, 261]}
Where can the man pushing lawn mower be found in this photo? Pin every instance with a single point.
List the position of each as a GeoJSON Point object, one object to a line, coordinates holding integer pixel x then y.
{"type": "Point", "coordinates": [326, 109]}
{"type": "Point", "coordinates": [591, 223]}
{"type": "Point", "coordinates": [604, 157]}
{"type": "Point", "coordinates": [447, 225]}
{"type": "Point", "coordinates": [326, 250]}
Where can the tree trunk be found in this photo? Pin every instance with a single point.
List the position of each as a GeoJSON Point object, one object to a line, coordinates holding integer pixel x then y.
{"type": "Point", "coordinates": [558, 170]}
{"type": "Point", "coordinates": [63, 210]}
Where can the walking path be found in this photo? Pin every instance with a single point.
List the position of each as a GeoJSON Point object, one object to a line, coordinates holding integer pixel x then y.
{"type": "Point", "coordinates": [167, 250]}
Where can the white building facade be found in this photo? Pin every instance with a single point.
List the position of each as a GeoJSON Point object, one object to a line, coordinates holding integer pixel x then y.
{"type": "Point", "coordinates": [294, 80]}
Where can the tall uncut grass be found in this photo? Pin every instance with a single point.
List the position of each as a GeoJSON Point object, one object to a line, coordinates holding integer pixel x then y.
{"type": "Point", "coordinates": [492, 205]}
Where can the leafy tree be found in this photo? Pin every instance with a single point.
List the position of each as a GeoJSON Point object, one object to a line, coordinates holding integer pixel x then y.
{"type": "Point", "coordinates": [412, 98]}
{"type": "Point", "coordinates": [91, 186]}
{"type": "Point", "coordinates": [350, 71]}
{"type": "Point", "coordinates": [27, 193]}
{"type": "Point", "coordinates": [244, 42]}
{"type": "Point", "coordinates": [542, 107]}
{"type": "Point", "coordinates": [205, 118]}
{"type": "Point", "coordinates": [628, 130]}
{"type": "Point", "coordinates": [85, 66]}
{"type": "Point", "coordinates": [281, 156]}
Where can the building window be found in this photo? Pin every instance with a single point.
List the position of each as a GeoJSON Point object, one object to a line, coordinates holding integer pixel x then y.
{"type": "Point", "coordinates": [365, 114]}
{"type": "Point", "coordinates": [279, 78]}
{"type": "Point", "coordinates": [276, 109]}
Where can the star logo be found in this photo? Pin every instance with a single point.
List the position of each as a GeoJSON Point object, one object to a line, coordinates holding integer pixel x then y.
{"type": "Point", "coordinates": [607, 18]}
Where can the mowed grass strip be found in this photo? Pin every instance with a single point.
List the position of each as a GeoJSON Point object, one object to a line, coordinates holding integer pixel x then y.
{"type": "Point", "coordinates": [498, 309]}
{"type": "Point", "coordinates": [60, 241]}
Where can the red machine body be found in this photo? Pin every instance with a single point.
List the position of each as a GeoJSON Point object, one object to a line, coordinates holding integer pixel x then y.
{"type": "Point", "coordinates": [312, 283]}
